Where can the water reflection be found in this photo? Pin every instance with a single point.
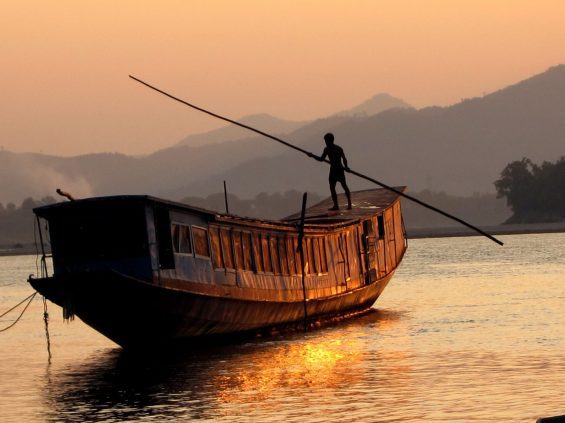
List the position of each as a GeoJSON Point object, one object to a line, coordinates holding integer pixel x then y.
{"type": "Point", "coordinates": [230, 379]}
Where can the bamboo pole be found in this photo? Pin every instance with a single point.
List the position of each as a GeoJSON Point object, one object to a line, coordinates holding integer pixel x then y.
{"type": "Point", "coordinates": [311, 155]}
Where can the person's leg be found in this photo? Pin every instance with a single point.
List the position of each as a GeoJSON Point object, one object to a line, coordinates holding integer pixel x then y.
{"type": "Point", "coordinates": [333, 183]}
{"type": "Point", "coordinates": [347, 193]}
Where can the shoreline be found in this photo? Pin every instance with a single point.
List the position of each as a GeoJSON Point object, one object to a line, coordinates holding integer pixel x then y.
{"type": "Point", "coordinates": [24, 250]}
{"type": "Point", "coordinates": [515, 229]}
{"type": "Point", "coordinates": [412, 233]}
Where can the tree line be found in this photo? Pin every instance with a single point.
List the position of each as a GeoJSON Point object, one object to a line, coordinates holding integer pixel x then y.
{"type": "Point", "coordinates": [534, 193]}
{"type": "Point", "coordinates": [17, 223]}
{"type": "Point", "coordinates": [263, 206]}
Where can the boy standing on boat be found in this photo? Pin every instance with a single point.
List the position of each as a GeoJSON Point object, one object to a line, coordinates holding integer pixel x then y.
{"type": "Point", "coordinates": [336, 156]}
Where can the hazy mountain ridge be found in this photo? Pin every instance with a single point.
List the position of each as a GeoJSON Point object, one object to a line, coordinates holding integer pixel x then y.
{"type": "Point", "coordinates": [459, 149]}
{"type": "Point", "coordinates": [164, 173]}
{"type": "Point", "coordinates": [276, 126]}
{"type": "Point", "coordinates": [262, 121]}
{"type": "Point", "coordinates": [375, 105]}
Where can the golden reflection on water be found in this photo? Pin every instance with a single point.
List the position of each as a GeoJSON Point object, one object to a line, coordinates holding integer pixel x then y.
{"type": "Point", "coordinates": [317, 364]}
{"type": "Point", "coordinates": [320, 363]}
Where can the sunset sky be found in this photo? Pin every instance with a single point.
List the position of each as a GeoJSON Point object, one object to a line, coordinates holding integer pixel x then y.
{"type": "Point", "coordinates": [64, 65]}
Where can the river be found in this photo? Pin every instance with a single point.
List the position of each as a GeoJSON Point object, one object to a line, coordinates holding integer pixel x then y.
{"type": "Point", "coordinates": [466, 331]}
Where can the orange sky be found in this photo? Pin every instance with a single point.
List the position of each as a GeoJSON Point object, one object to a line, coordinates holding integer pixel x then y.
{"type": "Point", "coordinates": [64, 65]}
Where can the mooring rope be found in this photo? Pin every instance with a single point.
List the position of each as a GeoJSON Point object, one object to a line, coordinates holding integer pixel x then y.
{"type": "Point", "coordinates": [30, 298]}
{"type": "Point", "coordinates": [46, 320]}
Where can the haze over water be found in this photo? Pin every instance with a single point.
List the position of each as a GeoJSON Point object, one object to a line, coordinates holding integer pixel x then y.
{"type": "Point", "coordinates": [466, 331]}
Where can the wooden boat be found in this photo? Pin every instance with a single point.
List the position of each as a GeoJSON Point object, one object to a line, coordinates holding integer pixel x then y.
{"type": "Point", "coordinates": [144, 271]}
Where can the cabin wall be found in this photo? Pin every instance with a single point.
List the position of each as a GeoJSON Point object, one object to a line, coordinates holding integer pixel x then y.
{"type": "Point", "coordinates": [100, 237]}
{"type": "Point", "coordinates": [152, 239]}
{"type": "Point", "coordinates": [400, 233]}
{"type": "Point", "coordinates": [256, 258]}
{"type": "Point", "coordinates": [390, 240]}
{"type": "Point", "coordinates": [216, 253]}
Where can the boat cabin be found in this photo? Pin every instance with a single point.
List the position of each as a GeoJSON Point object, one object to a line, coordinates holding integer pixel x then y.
{"type": "Point", "coordinates": [176, 245]}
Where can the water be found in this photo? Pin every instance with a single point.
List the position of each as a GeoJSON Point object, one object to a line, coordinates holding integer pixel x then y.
{"type": "Point", "coordinates": [466, 331]}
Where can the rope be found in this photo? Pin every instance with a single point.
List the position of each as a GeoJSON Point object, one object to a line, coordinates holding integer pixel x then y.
{"type": "Point", "coordinates": [31, 297]}
{"type": "Point", "coordinates": [46, 320]}
{"type": "Point", "coordinates": [16, 306]}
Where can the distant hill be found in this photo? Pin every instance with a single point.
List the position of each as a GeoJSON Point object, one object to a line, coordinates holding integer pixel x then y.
{"type": "Point", "coordinates": [261, 121]}
{"type": "Point", "coordinates": [276, 126]}
{"type": "Point", "coordinates": [459, 149]}
{"type": "Point", "coordinates": [375, 105]}
{"type": "Point", "coordinates": [165, 172]}
{"type": "Point", "coordinates": [17, 225]}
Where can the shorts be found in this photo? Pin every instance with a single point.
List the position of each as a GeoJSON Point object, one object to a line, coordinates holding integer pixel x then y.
{"type": "Point", "coordinates": [337, 175]}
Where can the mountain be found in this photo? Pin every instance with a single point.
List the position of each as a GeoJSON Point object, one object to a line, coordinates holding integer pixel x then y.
{"type": "Point", "coordinates": [277, 126]}
{"type": "Point", "coordinates": [262, 121]}
{"type": "Point", "coordinates": [459, 149]}
{"type": "Point", "coordinates": [375, 105]}
{"type": "Point", "coordinates": [165, 172]}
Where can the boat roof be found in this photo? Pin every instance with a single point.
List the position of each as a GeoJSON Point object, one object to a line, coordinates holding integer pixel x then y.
{"type": "Point", "coordinates": [47, 211]}
{"type": "Point", "coordinates": [365, 203]}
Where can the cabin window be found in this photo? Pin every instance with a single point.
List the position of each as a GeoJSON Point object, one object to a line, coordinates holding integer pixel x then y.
{"type": "Point", "coordinates": [323, 256]}
{"type": "Point", "coordinates": [306, 264]}
{"type": "Point", "coordinates": [275, 255]}
{"type": "Point", "coordinates": [291, 250]}
{"type": "Point", "coordinates": [257, 255]}
{"type": "Point", "coordinates": [238, 250]}
{"type": "Point", "coordinates": [283, 256]}
{"type": "Point", "coordinates": [175, 235]}
{"type": "Point", "coordinates": [227, 252]}
{"type": "Point", "coordinates": [162, 231]}
{"type": "Point", "coordinates": [185, 245]}
{"type": "Point", "coordinates": [368, 228]}
{"type": "Point", "coordinates": [381, 225]}
{"type": "Point", "coordinates": [180, 235]}
{"type": "Point", "coordinates": [216, 248]}
{"type": "Point", "coordinates": [317, 254]}
{"type": "Point", "coordinates": [344, 254]}
{"type": "Point", "coordinates": [309, 258]}
{"type": "Point", "coordinates": [266, 254]}
{"type": "Point", "coordinates": [201, 247]}
{"type": "Point", "coordinates": [247, 251]}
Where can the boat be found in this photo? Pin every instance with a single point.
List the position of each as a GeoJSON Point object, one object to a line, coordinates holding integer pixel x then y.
{"type": "Point", "coordinates": [144, 271]}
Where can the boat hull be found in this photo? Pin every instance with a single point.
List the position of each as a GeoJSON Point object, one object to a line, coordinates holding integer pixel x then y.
{"type": "Point", "coordinates": [137, 314]}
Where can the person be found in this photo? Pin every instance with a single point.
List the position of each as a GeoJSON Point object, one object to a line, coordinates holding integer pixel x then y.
{"type": "Point", "coordinates": [336, 156]}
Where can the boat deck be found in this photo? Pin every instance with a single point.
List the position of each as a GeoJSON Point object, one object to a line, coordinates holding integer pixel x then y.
{"type": "Point", "coordinates": [364, 205]}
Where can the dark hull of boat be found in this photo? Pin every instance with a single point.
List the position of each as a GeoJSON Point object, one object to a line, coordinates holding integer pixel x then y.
{"type": "Point", "coordinates": [137, 314]}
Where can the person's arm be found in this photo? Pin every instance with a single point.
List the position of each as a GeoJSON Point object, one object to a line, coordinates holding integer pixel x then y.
{"type": "Point", "coordinates": [319, 158]}
{"type": "Point", "coordinates": [344, 161]}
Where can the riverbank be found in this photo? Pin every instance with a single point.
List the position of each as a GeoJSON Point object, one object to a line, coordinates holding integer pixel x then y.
{"type": "Point", "coordinates": [530, 228]}
{"type": "Point", "coordinates": [18, 250]}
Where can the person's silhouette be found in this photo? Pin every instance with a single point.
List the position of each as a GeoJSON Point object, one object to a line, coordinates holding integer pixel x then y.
{"type": "Point", "coordinates": [336, 156]}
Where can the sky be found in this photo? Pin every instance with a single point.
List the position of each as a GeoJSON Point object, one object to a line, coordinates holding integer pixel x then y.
{"type": "Point", "coordinates": [64, 65]}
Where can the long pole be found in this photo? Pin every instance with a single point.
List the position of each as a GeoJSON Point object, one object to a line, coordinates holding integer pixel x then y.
{"type": "Point", "coordinates": [310, 154]}
{"type": "Point", "coordinates": [226, 198]}
{"type": "Point", "coordinates": [301, 252]}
